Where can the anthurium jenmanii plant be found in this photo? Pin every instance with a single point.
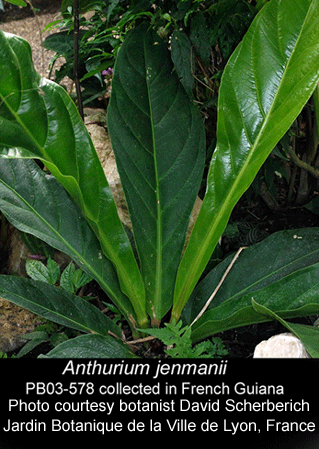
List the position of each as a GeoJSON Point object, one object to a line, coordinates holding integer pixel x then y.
{"type": "Point", "coordinates": [158, 138]}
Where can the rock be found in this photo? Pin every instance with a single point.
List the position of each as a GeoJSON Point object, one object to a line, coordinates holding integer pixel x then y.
{"type": "Point", "coordinates": [282, 346]}
{"type": "Point", "coordinates": [95, 119]}
{"type": "Point", "coordinates": [14, 322]}
{"type": "Point", "coordinates": [19, 251]}
{"type": "Point", "coordinates": [18, 254]}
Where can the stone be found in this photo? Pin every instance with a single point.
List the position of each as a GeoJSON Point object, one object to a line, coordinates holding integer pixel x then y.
{"type": "Point", "coordinates": [17, 254]}
{"type": "Point", "coordinates": [282, 346]}
{"type": "Point", "coordinates": [14, 322]}
{"type": "Point", "coordinates": [95, 121]}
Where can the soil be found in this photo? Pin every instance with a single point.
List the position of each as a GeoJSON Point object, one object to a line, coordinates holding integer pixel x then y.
{"type": "Point", "coordinates": [14, 323]}
{"type": "Point", "coordinates": [29, 25]}
{"type": "Point", "coordinates": [240, 342]}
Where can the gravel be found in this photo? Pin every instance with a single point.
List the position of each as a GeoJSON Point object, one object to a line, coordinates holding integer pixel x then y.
{"type": "Point", "coordinates": [31, 29]}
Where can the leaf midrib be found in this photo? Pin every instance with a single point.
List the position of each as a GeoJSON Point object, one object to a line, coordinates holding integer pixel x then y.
{"type": "Point", "coordinates": [156, 301]}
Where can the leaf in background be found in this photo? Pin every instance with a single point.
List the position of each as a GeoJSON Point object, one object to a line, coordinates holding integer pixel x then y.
{"type": "Point", "coordinates": [84, 5]}
{"type": "Point", "coordinates": [158, 139]}
{"type": "Point", "coordinates": [62, 43]}
{"type": "Point", "coordinates": [199, 36]}
{"type": "Point", "coordinates": [66, 281]}
{"type": "Point", "coordinates": [38, 271]}
{"type": "Point", "coordinates": [35, 339]}
{"type": "Point", "coordinates": [110, 8]}
{"type": "Point", "coordinates": [309, 335]}
{"type": "Point", "coordinates": [56, 305]}
{"type": "Point", "coordinates": [81, 278]}
{"type": "Point", "coordinates": [24, 193]}
{"type": "Point", "coordinates": [265, 84]}
{"type": "Point", "coordinates": [39, 120]}
{"type": "Point", "coordinates": [91, 347]}
{"type": "Point", "coordinates": [54, 270]}
{"type": "Point", "coordinates": [183, 59]}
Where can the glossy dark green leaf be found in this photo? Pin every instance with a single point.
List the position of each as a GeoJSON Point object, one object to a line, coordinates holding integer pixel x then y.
{"type": "Point", "coordinates": [39, 120]}
{"type": "Point", "coordinates": [273, 265]}
{"type": "Point", "coordinates": [91, 347]}
{"type": "Point", "coordinates": [258, 266]}
{"type": "Point", "coordinates": [265, 84]}
{"type": "Point", "coordinates": [36, 203]}
{"type": "Point", "coordinates": [158, 139]}
{"type": "Point", "coordinates": [292, 296]}
{"type": "Point", "coordinates": [56, 305]}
